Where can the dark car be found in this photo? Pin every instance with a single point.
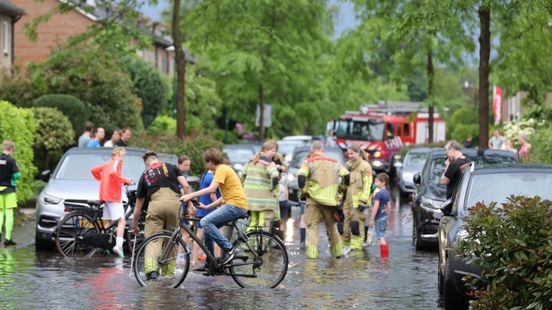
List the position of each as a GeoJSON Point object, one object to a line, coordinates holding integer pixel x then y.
{"type": "Point", "coordinates": [72, 182]}
{"type": "Point", "coordinates": [488, 184]}
{"type": "Point", "coordinates": [299, 155]}
{"type": "Point", "coordinates": [239, 154]}
{"type": "Point", "coordinates": [431, 193]}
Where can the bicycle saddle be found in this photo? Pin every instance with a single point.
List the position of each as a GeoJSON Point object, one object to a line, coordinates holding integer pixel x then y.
{"type": "Point", "coordinates": [94, 203]}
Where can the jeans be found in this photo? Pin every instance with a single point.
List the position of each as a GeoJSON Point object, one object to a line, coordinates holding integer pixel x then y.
{"type": "Point", "coordinates": [224, 214]}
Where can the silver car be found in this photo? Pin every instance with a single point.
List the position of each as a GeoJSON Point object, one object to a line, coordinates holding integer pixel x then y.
{"type": "Point", "coordinates": [73, 182]}
{"type": "Point", "coordinates": [413, 163]}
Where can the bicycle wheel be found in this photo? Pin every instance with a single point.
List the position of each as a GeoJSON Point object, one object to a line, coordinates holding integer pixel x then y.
{"type": "Point", "coordinates": [262, 261]}
{"type": "Point", "coordinates": [70, 234]}
{"type": "Point", "coordinates": [169, 259]}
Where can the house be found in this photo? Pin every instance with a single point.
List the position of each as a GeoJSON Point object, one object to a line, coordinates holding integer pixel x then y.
{"type": "Point", "coordinates": [62, 26]}
{"type": "Point", "coordinates": [9, 15]}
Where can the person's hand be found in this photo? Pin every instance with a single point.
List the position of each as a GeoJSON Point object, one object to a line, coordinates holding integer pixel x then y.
{"type": "Point", "coordinates": [372, 223]}
{"type": "Point", "coordinates": [204, 207]}
{"type": "Point", "coordinates": [129, 182]}
{"type": "Point", "coordinates": [135, 228]}
{"type": "Point", "coordinates": [191, 210]}
{"type": "Point", "coordinates": [186, 197]}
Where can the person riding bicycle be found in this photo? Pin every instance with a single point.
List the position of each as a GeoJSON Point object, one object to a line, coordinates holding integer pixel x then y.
{"type": "Point", "coordinates": [109, 175]}
{"type": "Point", "coordinates": [159, 185]}
{"type": "Point", "coordinates": [233, 201]}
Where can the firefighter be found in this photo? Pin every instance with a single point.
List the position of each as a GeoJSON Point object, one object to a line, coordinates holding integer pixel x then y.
{"type": "Point", "coordinates": [357, 199]}
{"type": "Point", "coordinates": [319, 179]}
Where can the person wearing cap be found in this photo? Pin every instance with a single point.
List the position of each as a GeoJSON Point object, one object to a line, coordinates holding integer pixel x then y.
{"type": "Point", "coordinates": [159, 185]}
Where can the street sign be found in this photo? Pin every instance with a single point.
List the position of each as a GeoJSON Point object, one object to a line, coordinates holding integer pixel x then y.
{"type": "Point", "coordinates": [267, 115]}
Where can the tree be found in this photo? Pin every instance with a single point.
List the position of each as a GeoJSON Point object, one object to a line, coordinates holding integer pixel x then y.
{"type": "Point", "coordinates": [180, 70]}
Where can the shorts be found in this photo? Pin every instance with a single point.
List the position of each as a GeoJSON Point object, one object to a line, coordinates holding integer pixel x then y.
{"type": "Point", "coordinates": [380, 227]}
{"type": "Point", "coordinates": [285, 207]}
{"type": "Point", "coordinates": [113, 211]}
{"type": "Point", "coordinates": [8, 201]}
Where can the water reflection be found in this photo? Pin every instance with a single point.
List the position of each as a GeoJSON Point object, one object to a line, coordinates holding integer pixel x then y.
{"type": "Point", "coordinates": [363, 280]}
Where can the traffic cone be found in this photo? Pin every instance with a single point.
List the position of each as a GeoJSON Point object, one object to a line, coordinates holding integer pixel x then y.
{"type": "Point", "coordinates": [384, 250]}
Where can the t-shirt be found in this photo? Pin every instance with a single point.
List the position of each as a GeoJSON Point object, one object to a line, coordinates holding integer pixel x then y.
{"type": "Point", "coordinates": [156, 177]}
{"type": "Point", "coordinates": [93, 143]}
{"type": "Point", "coordinates": [108, 143]}
{"type": "Point", "coordinates": [230, 187]}
{"type": "Point", "coordinates": [121, 143]}
{"type": "Point", "coordinates": [496, 143]}
{"type": "Point", "coordinates": [205, 181]}
{"type": "Point", "coordinates": [453, 173]}
{"type": "Point", "coordinates": [8, 168]}
{"type": "Point", "coordinates": [83, 140]}
{"type": "Point", "coordinates": [383, 197]}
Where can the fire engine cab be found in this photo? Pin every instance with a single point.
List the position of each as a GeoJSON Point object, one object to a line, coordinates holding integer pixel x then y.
{"type": "Point", "coordinates": [384, 128]}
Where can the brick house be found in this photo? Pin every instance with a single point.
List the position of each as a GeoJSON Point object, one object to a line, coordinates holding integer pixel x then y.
{"type": "Point", "coordinates": [62, 26]}
{"type": "Point", "coordinates": [9, 15]}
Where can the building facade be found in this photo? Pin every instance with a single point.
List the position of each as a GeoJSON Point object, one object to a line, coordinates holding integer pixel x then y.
{"type": "Point", "coordinates": [9, 15]}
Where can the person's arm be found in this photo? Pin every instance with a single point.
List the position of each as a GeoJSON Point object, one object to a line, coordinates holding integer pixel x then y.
{"type": "Point", "coordinates": [212, 205]}
{"type": "Point", "coordinates": [445, 178]}
{"type": "Point", "coordinates": [367, 186]}
{"type": "Point", "coordinates": [374, 212]}
{"type": "Point", "coordinates": [186, 189]}
{"type": "Point", "coordinates": [136, 214]}
{"type": "Point", "coordinates": [210, 189]}
{"type": "Point", "coordinates": [97, 172]}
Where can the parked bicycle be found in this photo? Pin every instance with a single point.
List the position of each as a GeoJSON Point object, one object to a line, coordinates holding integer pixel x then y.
{"type": "Point", "coordinates": [81, 232]}
{"type": "Point", "coordinates": [262, 261]}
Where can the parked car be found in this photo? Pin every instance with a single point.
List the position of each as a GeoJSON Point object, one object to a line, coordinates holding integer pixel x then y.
{"type": "Point", "coordinates": [488, 184]}
{"type": "Point", "coordinates": [299, 156]}
{"type": "Point", "coordinates": [286, 148]}
{"type": "Point", "coordinates": [305, 139]}
{"type": "Point", "coordinates": [239, 154]}
{"type": "Point", "coordinates": [73, 182]}
{"type": "Point", "coordinates": [413, 163]}
{"type": "Point", "coordinates": [431, 193]}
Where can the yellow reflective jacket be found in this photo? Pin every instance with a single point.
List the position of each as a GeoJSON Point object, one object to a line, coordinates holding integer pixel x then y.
{"type": "Point", "coordinates": [323, 175]}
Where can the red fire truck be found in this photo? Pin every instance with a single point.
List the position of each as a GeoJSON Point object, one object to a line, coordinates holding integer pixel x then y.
{"type": "Point", "coordinates": [383, 129]}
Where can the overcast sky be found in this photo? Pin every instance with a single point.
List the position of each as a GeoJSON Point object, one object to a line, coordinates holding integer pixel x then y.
{"type": "Point", "coordinates": [345, 20]}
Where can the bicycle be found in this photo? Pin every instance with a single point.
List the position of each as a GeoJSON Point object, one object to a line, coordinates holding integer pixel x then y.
{"type": "Point", "coordinates": [81, 232]}
{"type": "Point", "coordinates": [262, 261]}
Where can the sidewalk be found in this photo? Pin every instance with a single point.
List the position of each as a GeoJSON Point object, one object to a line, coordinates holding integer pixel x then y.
{"type": "Point", "coordinates": [23, 232]}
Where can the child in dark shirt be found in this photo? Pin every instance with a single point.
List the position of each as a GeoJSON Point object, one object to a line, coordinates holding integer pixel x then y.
{"type": "Point", "coordinates": [382, 206]}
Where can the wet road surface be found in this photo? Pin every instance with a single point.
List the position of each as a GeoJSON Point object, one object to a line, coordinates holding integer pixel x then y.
{"type": "Point", "coordinates": [363, 280]}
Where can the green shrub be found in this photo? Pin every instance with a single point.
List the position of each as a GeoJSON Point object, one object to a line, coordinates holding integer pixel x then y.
{"type": "Point", "coordinates": [54, 134]}
{"type": "Point", "coordinates": [149, 86]}
{"type": "Point", "coordinates": [162, 124]}
{"type": "Point", "coordinates": [192, 146]}
{"type": "Point", "coordinates": [512, 246]}
{"type": "Point", "coordinates": [69, 105]}
{"type": "Point", "coordinates": [96, 78]}
{"type": "Point", "coordinates": [18, 125]}
{"type": "Point", "coordinates": [17, 88]}
{"type": "Point", "coordinates": [464, 122]}
{"type": "Point", "coordinates": [541, 145]}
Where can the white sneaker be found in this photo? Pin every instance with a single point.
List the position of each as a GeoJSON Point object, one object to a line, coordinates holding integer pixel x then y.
{"type": "Point", "coordinates": [119, 251]}
{"type": "Point", "coordinates": [345, 250]}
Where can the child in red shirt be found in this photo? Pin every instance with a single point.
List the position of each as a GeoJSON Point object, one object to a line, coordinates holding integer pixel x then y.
{"type": "Point", "coordinates": [109, 175]}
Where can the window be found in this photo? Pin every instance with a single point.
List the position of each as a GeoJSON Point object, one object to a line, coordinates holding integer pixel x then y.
{"type": "Point", "coordinates": [406, 130]}
{"type": "Point", "coordinates": [6, 38]}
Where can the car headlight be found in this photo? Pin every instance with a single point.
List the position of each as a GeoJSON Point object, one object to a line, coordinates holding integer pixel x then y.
{"type": "Point", "coordinates": [238, 167]}
{"type": "Point", "coordinates": [430, 205]}
{"type": "Point", "coordinates": [290, 177]}
{"type": "Point", "coordinates": [377, 154]}
{"type": "Point", "coordinates": [377, 163]}
{"type": "Point", "coordinates": [50, 200]}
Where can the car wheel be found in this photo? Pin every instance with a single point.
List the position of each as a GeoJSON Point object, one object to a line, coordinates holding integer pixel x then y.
{"type": "Point", "coordinates": [43, 244]}
{"type": "Point", "coordinates": [451, 297]}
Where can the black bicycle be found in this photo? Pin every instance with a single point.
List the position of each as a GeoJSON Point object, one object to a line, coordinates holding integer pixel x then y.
{"type": "Point", "coordinates": [262, 261]}
{"type": "Point", "coordinates": [82, 231]}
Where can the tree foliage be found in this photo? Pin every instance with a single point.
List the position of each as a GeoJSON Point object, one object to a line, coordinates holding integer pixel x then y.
{"type": "Point", "coordinates": [70, 106]}
{"type": "Point", "coordinates": [18, 125]}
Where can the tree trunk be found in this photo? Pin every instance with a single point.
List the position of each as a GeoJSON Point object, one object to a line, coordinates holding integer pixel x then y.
{"type": "Point", "coordinates": [180, 71]}
{"type": "Point", "coordinates": [431, 108]}
{"type": "Point", "coordinates": [261, 112]}
{"type": "Point", "coordinates": [484, 55]}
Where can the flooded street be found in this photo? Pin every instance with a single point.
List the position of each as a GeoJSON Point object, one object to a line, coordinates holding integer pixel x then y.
{"type": "Point", "coordinates": [407, 280]}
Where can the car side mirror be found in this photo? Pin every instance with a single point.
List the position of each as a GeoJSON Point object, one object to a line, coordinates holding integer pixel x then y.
{"type": "Point", "coordinates": [45, 175]}
{"type": "Point", "coordinates": [446, 207]}
{"type": "Point", "coordinates": [417, 179]}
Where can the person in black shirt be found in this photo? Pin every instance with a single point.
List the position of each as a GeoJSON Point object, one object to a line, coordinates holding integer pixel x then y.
{"type": "Point", "coordinates": [9, 173]}
{"type": "Point", "coordinates": [454, 165]}
{"type": "Point", "coordinates": [159, 185]}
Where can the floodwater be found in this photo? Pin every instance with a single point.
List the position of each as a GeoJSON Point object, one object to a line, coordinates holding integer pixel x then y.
{"type": "Point", "coordinates": [363, 280]}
